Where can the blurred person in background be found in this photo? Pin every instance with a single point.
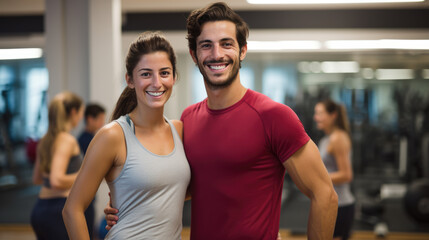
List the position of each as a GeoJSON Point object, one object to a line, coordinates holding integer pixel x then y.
{"type": "Point", "coordinates": [58, 160]}
{"type": "Point", "coordinates": [94, 117]}
{"type": "Point", "coordinates": [336, 148]}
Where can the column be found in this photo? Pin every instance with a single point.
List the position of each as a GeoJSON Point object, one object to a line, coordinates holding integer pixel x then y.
{"type": "Point", "coordinates": [66, 46]}
{"type": "Point", "coordinates": [105, 52]}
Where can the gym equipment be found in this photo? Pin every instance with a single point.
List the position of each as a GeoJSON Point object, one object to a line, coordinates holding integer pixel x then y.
{"type": "Point", "coordinates": [416, 200]}
{"type": "Point", "coordinates": [381, 229]}
{"type": "Point", "coordinates": [7, 178]}
{"type": "Point", "coordinates": [32, 141]}
{"type": "Point", "coordinates": [370, 210]}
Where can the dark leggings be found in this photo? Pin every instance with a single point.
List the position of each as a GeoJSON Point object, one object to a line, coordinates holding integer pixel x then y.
{"type": "Point", "coordinates": [344, 222]}
{"type": "Point", "coordinates": [47, 220]}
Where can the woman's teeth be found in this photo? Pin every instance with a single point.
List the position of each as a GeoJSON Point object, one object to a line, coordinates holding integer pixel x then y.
{"type": "Point", "coordinates": [155, 94]}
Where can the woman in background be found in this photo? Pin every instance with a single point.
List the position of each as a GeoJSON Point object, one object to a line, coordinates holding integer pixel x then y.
{"type": "Point", "coordinates": [335, 149]}
{"type": "Point", "coordinates": [57, 164]}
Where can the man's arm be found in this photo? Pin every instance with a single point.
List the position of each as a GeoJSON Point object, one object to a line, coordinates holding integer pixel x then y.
{"type": "Point", "coordinates": [311, 177]}
{"type": "Point", "coordinates": [110, 213]}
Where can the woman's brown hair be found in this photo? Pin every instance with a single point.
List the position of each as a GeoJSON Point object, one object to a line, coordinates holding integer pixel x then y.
{"type": "Point", "coordinates": [59, 112]}
{"type": "Point", "coordinates": [341, 121]}
{"type": "Point", "coordinates": [147, 42]}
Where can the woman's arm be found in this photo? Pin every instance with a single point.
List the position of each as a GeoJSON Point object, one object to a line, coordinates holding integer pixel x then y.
{"type": "Point", "coordinates": [340, 147]}
{"type": "Point", "coordinates": [100, 158]}
{"type": "Point", "coordinates": [179, 128]}
{"type": "Point", "coordinates": [37, 174]}
{"type": "Point", "coordinates": [64, 148]}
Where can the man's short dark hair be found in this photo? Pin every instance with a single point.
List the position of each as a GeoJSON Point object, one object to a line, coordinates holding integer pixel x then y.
{"type": "Point", "coordinates": [215, 12]}
{"type": "Point", "coordinates": [93, 110]}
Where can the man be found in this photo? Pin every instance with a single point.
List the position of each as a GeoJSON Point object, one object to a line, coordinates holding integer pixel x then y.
{"type": "Point", "coordinates": [95, 116]}
{"type": "Point", "coordinates": [239, 143]}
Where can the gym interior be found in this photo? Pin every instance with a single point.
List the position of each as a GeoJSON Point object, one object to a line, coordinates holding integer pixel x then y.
{"type": "Point", "coordinates": [371, 57]}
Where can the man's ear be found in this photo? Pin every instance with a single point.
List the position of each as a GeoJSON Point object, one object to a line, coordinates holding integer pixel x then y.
{"type": "Point", "coordinates": [243, 52]}
{"type": "Point", "coordinates": [193, 55]}
{"type": "Point", "coordinates": [89, 120]}
{"type": "Point", "coordinates": [129, 80]}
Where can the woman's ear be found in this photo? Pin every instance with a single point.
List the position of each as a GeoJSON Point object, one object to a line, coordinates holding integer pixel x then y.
{"type": "Point", "coordinates": [334, 115]}
{"type": "Point", "coordinates": [129, 80]}
{"type": "Point", "coordinates": [73, 111]}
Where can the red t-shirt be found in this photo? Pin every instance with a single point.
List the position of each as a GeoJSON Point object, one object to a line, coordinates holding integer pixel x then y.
{"type": "Point", "coordinates": [236, 157]}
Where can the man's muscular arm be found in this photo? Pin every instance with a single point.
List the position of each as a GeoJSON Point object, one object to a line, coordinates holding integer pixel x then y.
{"type": "Point", "coordinates": [311, 177]}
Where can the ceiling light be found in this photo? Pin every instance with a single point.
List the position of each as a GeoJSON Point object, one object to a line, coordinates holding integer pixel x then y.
{"type": "Point", "coordinates": [282, 45]}
{"type": "Point", "coordinates": [415, 44]}
{"type": "Point", "coordinates": [425, 73]}
{"type": "Point", "coordinates": [367, 73]}
{"type": "Point", "coordinates": [20, 53]}
{"type": "Point", "coordinates": [394, 74]}
{"type": "Point", "coordinates": [326, 1]}
{"type": "Point", "coordinates": [315, 67]}
{"type": "Point", "coordinates": [340, 67]}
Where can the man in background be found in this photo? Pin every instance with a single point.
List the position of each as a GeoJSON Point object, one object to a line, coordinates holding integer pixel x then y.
{"type": "Point", "coordinates": [95, 116]}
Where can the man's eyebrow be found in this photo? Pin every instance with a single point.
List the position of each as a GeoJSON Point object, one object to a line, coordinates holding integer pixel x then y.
{"type": "Point", "coordinates": [204, 41]}
{"type": "Point", "coordinates": [209, 41]}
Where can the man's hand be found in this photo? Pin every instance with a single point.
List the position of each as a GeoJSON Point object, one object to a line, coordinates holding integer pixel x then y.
{"type": "Point", "coordinates": [110, 217]}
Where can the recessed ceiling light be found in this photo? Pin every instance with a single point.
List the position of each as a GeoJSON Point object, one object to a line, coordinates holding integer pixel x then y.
{"type": "Point", "coordinates": [20, 53]}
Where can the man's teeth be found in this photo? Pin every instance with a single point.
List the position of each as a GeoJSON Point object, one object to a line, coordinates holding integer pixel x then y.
{"type": "Point", "coordinates": [217, 67]}
{"type": "Point", "coordinates": [155, 94]}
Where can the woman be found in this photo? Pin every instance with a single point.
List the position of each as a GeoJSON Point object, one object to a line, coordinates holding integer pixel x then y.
{"type": "Point", "coordinates": [335, 149]}
{"type": "Point", "coordinates": [57, 164]}
{"type": "Point", "coordinates": [140, 154]}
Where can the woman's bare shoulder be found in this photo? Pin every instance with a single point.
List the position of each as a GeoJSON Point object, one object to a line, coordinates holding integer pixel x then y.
{"type": "Point", "coordinates": [65, 137]}
{"type": "Point", "coordinates": [111, 131]}
{"type": "Point", "coordinates": [179, 126]}
{"type": "Point", "coordinates": [340, 138]}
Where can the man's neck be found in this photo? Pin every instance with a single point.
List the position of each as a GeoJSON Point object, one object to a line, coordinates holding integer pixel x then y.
{"type": "Point", "coordinates": [90, 130]}
{"type": "Point", "coordinates": [225, 97]}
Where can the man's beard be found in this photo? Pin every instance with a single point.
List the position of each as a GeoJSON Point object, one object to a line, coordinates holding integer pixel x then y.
{"type": "Point", "coordinates": [220, 85]}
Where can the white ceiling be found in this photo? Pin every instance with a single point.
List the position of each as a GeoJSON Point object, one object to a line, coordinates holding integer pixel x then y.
{"type": "Point", "coordinates": [17, 7]}
{"type": "Point", "coordinates": [187, 5]}
{"type": "Point", "coordinates": [413, 58]}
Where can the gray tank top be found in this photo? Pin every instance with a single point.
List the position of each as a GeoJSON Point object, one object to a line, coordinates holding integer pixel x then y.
{"type": "Point", "coordinates": [345, 196]}
{"type": "Point", "coordinates": [150, 190]}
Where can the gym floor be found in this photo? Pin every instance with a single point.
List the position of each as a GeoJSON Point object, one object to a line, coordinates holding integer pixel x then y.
{"type": "Point", "coordinates": [17, 202]}
{"type": "Point", "coordinates": [25, 233]}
